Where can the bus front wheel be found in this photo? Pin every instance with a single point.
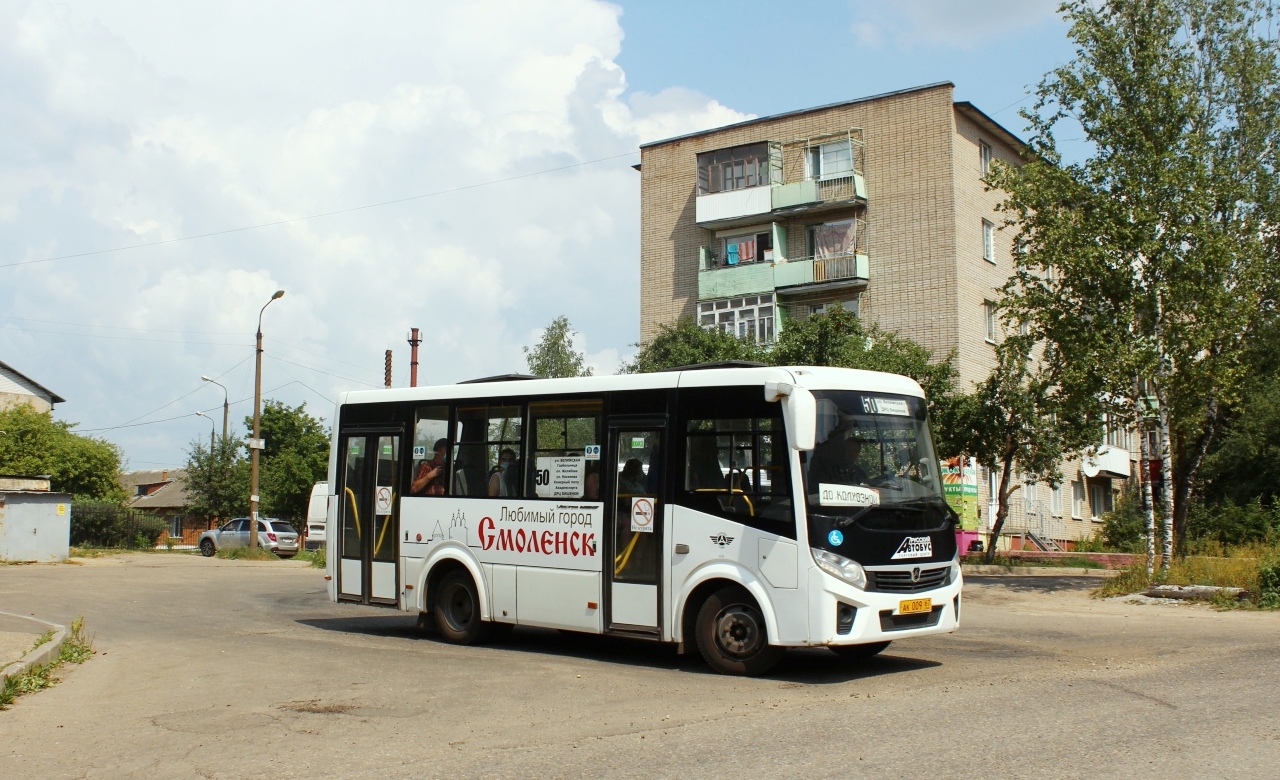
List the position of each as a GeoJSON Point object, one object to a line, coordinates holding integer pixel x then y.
{"type": "Point", "coordinates": [732, 637]}
{"type": "Point", "coordinates": [457, 610]}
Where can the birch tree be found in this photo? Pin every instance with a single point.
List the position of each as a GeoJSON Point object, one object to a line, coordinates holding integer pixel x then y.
{"type": "Point", "coordinates": [1155, 256]}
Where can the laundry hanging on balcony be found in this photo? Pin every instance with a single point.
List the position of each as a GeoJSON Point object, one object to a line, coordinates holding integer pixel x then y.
{"type": "Point", "coordinates": [835, 239]}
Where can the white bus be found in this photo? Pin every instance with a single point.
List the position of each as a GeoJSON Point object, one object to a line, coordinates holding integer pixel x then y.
{"type": "Point", "coordinates": [738, 510]}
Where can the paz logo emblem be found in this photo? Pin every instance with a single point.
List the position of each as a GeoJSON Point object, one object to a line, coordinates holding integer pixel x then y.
{"type": "Point", "coordinates": [915, 574]}
{"type": "Point", "coordinates": [721, 540]}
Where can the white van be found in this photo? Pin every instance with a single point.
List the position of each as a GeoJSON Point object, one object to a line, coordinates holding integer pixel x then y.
{"type": "Point", "coordinates": [317, 514]}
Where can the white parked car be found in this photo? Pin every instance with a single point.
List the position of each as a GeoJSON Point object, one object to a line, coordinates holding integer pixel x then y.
{"type": "Point", "coordinates": [317, 515]}
{"type": "Point", "coordinates": [275, 535]}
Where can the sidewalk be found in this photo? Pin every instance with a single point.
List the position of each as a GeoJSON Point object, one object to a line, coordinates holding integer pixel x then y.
{"type": "Point", "coordinates": [17, 635]}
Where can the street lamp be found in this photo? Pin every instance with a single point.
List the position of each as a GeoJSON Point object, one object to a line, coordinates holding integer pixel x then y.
{"type": "Point", "coordinates": [212, 426]}
{"type": "Point", "coordinates": [226, 404]}
{"type": "Point", "coordinates": [255, 444]}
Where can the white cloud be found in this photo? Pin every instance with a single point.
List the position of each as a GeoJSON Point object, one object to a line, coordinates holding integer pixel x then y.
{"type": "Point", "coordinates": [146, 122]}
{"type": "Point", "coordinates": [932, 23]}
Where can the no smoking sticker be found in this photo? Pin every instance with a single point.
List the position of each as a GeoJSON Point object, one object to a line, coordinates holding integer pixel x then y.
{"type": "Point", "coordinates": [383, 498]}
{"type": "Point", "coordinates": [642, 515]}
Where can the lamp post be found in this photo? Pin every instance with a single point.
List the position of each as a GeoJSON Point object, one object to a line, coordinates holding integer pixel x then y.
{"type": "Point", "coordinates": [212, 426]}
{"type": "Point", "coordinates": [255, 443]}
{"type": "Point", "coordinates": [226, 404]}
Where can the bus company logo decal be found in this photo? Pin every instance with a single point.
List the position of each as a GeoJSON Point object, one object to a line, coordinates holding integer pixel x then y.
{"type": "Point", "coordinates": [545, 542]}
{"type": "Point", "coordinates": [914, 547]}
{"type": "Point", "coordinates": [721, 541]}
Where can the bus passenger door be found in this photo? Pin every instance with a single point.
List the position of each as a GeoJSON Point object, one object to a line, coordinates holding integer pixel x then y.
{"type": "Point", "coordinates": [636, 486]}
{"type": "Point", "coordinates": [369, 503]}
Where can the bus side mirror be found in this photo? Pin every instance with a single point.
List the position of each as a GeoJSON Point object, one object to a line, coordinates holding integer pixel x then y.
{"type": "Point", "coordinates": [799, 413]}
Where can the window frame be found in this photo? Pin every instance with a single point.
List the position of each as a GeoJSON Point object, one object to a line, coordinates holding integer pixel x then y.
{"type": "Point", "coordinates": [989, 321]}
{"type": "Point", "coordinates": [989, 241]}
{"type": "Point", "coordinates": [1077, 499]}
{"type": "Point", "coordinates": [984, 158]}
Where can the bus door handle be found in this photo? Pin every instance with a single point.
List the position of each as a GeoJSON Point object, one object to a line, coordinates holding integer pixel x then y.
{"type": "Point", "coordinates": [682, 549]}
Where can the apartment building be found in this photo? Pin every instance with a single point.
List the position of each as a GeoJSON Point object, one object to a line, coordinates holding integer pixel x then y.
{"type": "Point", "coordinates": [877, 204]}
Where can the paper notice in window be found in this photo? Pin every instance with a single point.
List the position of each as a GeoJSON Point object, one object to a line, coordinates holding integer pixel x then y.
{"type": "Point", "coordinates": [895, 406]}
{"type": "Point", "coordinates": [846, 495]}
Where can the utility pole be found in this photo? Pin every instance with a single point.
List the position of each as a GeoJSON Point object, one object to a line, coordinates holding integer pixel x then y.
{"type": "Point", "coordinates": [255, 443]}
{"type": "Point", "coordinates": [414, 341]}
{"type": "Point", "coordinates": [387, 378]}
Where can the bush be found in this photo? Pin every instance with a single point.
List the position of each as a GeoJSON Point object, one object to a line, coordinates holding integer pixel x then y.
{"type": "Point", "coordinates": [1269, 584]}
{"type": "Point", "coordinates": [1124, 528]}
{"type": "Point", "coordinates": [1229, 523]}
{"type": "Point", "coordinates": [104, 524]}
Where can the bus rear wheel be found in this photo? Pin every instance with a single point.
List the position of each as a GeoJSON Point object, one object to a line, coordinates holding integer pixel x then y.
{"type": "Point", "coordinates": [732, 637]}
{"type": "Point", "coordinates": [457, 610]}
{"type": "Point", "coordinates": [859, 651]}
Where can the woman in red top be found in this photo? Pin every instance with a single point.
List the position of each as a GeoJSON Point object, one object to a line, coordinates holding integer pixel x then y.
{"type": "Point", "coordinates": [429, 479]}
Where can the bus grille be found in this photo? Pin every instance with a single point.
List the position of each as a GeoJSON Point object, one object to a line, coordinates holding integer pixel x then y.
{"type": "Point", "coordinates": [892, 622]}
{"type": "Point", "coordinates": [900, 581]}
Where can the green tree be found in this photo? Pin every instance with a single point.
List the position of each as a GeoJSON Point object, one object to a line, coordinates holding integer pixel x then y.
{"type": "Point", "coordinates": [1155, 258]}
{"type": "Point", "coordinates": [295, 457]}
{"type": "Point", "coordinates": [554, 355]}
{"type": "Point", "coordinates": [1016, 422]}
{"type": "Point", "coordinates": [34, 443]}
{"type": "Point", "coordinates": [838, 338]}
{"type": "Point", "coordinates": [686, 344]}
{"type": "Point", "coordinates": [217, 480]}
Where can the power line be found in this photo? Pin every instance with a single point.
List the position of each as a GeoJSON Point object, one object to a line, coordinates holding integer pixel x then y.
{"type": "Point", "coordinates": [278, 222]}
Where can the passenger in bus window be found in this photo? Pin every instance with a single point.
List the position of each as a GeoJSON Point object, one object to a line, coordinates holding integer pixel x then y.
{"type": "Point", "coordinates": [502, 479]}
{"type": "Point", "coordinates": [631, 481]}
{"type": "Point", "coordinates": [591, 491]}
{"type": "Point", "coordinates": [429, 478]}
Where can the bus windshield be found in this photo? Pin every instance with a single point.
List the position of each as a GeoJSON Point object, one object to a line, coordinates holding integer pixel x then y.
{"type": "Point", "coordinates": [873, 464]}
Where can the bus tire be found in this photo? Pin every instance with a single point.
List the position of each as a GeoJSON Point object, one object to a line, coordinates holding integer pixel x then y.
{"type": "Point", "coordinates": [859, 651]}
{"type": "Point", "coordinates": [457, 610]}
{"type": "Point", "coordinates": [732, 636]}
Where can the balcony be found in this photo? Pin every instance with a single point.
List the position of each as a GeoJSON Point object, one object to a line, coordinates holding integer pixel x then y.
{"type": "Point", "coordinates": [716, 280]}
{"type": "Point", "coordinates": [811, 195]}
{"type": "Point", "coordinates": [725, 209]}
{"type": "Point", "coordinates": [1108, 462]}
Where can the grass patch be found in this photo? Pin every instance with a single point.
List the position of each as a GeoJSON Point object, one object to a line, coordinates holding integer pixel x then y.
{"type": "Point", "coordinates": [1253, 567]}
{"type": "Point", "coordinates": [75, 650]}
{"type": "Point", "coordinates": [96, 552]}
{"type": "Point", "coordinates": [314, 557]}
{"type": "Point", "coordinates": [247, 554]}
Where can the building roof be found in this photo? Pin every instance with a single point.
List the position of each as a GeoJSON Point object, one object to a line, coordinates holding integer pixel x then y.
{"type": "Point", "coordinates": [171, 495]}
{"type": "Point", "coordinates": [131, 479]}
{"type": "Point", "coordinates": [54, 398]}
{"type": "Point", "coordinates": [964, 107]}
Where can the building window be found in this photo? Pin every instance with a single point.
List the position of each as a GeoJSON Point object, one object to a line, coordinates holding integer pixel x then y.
{"type": "Point", "coordinates": [984, 158]}
{"type": "Point", "coordinates": [733, 169]}
{"type": "Point", "coordinates": [1077, 499]}
{"type": "Point", "coordinates": [1055, 501]}
{"type": "Point", "coordinates": [749, 317]}
{"type": "Point", "coordinates": [748, 248]}
{"type": "Point", "coordinates": [175, 526]}
{"type": "Point", "coordinates": [1100, 500]}
{"type": "Point", "coordinates": [1115, 435]}
{"type": "Point", "coordinates": [988, 241]}
{"type": "Point", "coordinates": [850, 306]}
{"type": "Point", "coordinates": [1029, 496]}
{"type": "Point", "coordinates": [989, 315]}
{"type": "Point", "coordinates": [830, 161]}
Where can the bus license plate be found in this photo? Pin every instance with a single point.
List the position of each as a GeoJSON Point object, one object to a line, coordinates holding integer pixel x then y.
{"type": "Point", "coordinates": [914, 606]}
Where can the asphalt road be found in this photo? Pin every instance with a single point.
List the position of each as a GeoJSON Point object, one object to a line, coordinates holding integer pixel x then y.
{"type": "Point", "coordinates": [221, 669]}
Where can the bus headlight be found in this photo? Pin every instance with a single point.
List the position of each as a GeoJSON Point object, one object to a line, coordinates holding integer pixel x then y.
{"type": "Point", "coordinates": [839, 566]}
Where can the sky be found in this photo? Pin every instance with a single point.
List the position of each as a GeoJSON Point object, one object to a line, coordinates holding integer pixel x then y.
{"type": "Point", "coordinates": [463, 168]}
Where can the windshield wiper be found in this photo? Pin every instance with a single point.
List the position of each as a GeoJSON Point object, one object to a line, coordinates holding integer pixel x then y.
{"type": "Point", "coordinates": [923, 502]}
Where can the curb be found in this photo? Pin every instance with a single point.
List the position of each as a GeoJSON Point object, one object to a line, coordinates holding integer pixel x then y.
{"type": "Point", "coordinates": [1035, 571]}
{"type": "Point", "coordinates": [39, 656]}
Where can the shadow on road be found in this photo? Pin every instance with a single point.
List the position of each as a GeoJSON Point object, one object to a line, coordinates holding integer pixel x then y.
{"type": "Point", "coordinates": [804, 666]}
